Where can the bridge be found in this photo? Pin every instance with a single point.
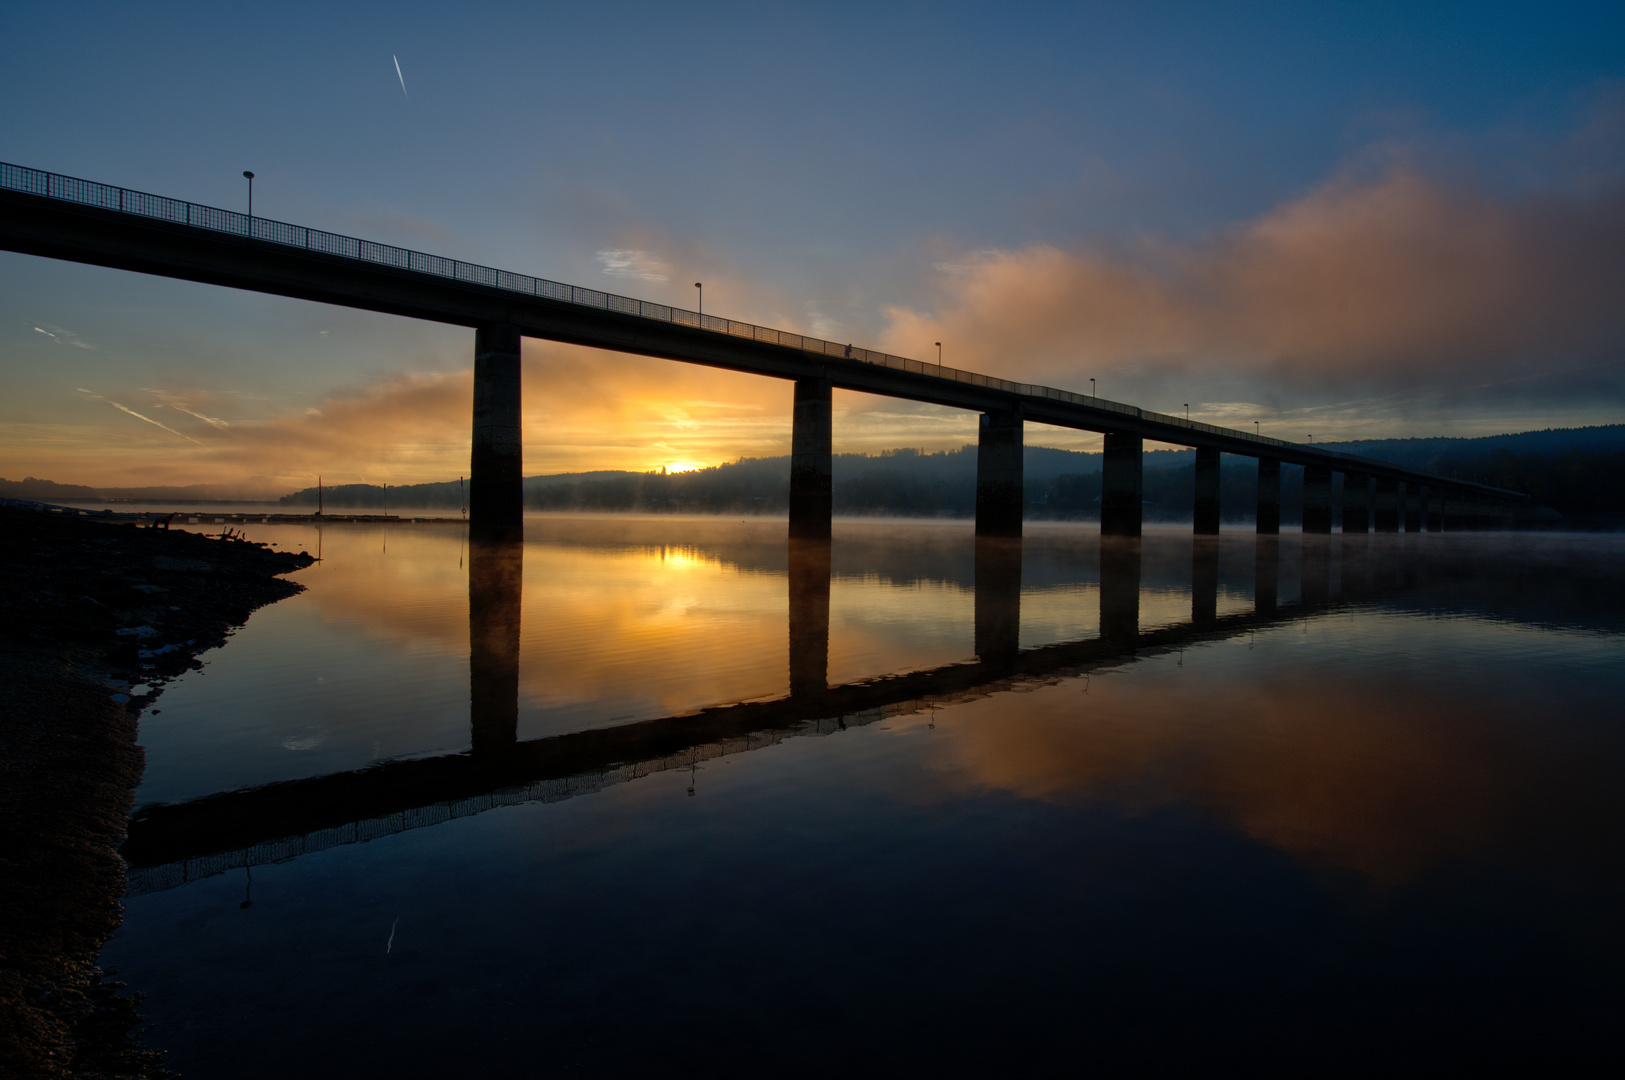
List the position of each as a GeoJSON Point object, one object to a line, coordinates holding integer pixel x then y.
{"type": "Point", "coordinates": [64, 217]}
{"type": "Point", "coordinates": [171, 844]}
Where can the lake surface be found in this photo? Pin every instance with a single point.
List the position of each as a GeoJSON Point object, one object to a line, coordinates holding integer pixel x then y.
{"type": "Point", "coordinates": [672, 794]}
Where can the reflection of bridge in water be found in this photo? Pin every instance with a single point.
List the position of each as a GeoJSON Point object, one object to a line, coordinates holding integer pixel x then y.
{"type": "Point", "coordinates": [169, 845]}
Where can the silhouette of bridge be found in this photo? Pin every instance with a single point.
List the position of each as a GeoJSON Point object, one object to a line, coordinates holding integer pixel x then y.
{"type": "Point", "coordinates": [83, 221]}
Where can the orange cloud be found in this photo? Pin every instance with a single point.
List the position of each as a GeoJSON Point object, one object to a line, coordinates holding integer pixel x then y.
{"type": "Point", "coordinates": [1397, 281]}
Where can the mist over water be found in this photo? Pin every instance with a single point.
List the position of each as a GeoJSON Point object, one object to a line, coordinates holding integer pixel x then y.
{"type": "Point", "coordinates": [645, 791]}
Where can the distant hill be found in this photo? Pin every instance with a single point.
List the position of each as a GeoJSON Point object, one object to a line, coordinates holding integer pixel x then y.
{"type": "Point", "coordinates": [1578, 471]}
{"type": "Point", "coordinates": [49, 491]}
{"type": "Point", "coordinates": [1424, 454]}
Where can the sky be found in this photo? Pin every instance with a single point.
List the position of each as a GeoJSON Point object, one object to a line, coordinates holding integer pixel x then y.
{"type": "Point", "coordinates": [1342, 221]}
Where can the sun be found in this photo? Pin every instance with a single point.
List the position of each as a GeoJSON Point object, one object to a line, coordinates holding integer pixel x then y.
{"type": "Point", "coordinates": [684, 466]}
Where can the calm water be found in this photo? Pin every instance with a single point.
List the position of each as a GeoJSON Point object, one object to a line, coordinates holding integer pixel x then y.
{"type": "Point", "coordinates": [671, 795]}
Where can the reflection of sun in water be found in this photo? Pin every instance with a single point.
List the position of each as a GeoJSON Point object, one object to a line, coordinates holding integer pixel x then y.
{"type": "Point", "coordinates": [681, 558]}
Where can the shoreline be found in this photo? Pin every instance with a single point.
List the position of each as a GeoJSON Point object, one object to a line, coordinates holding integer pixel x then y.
{"type": "Point", "coordinates": [92, 607]}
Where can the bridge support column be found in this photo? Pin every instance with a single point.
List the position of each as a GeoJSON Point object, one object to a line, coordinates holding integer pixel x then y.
{"type": "Point", "coordinates": [1413, 508]}
{"type": "Point", "coordinates": [496, 572]}
{"type": "Point", "coordinates": [1356, 503]}
{"type": "Point", "coordinates": [1385, 505]}
{"type": "Point", "coordinates": [1206, 508]}
{"type": "Point", "coordinates": [809, 617]}
{"type": "Point", "coordinates": [1122, 485]}
{"type": "Point", "coordinates": [1317, 499]}
{"type": "Point", "coordinates": [495, 471]}
{"type": "Point", "coordinates": [811, 450]}
{"type": "Point", "coordinates": [999, 494]}
{"type": "Point", "coordinates": [998, 597]}
{"type": "Point", "coordinates": [1269, 496]}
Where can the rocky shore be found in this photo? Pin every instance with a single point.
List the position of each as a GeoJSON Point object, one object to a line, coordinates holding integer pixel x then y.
{"type": "Point", "coordinates": [91, 611]}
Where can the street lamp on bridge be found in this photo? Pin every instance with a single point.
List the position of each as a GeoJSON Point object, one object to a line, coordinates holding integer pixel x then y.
{"type": "Point", "coordinates": [701, 287]}
{"type": "Point", "coordinates": [1187, 412]}
{"type": "Point", "coordinates": [250, 177]}
{"type": "Point", "coordinates": [939, 358]}
{"type": "Point", "coordinates": [1091, 391]}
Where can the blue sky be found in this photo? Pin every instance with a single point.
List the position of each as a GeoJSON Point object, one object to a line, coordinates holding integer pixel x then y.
{"type": "Point", "coordinates": [1354, 219]}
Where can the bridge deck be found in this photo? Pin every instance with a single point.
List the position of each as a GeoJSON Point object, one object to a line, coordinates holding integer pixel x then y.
{"type": "Point", "coordinates": [83, 221]}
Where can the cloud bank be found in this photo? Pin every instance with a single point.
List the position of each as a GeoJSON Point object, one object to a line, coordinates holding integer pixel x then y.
{"type": "Point", "coordinates": [1388, 285]}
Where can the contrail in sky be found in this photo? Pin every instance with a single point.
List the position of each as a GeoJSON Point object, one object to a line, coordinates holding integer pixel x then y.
{"type": "Point", "coordinates": [138, 416]}
{"type": "Point", "coordinates": [399, 76]}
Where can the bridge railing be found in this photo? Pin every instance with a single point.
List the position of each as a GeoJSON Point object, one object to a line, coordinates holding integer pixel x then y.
{"type": "Point", "coordinates": [180, 212]}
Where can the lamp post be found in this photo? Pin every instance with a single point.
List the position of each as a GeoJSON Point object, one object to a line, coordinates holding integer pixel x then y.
{"type": "Point", "coordinates": [1187, 412]}
{"type": "Point", "coordinates": [1311, 440]}
{"type": "Point", "coordinates": [701, 287]}
{"type": "Point", "coordinates": [1091, 391]}
{"type": "Point", "coordinates": [1256, 432]}
{"type": "Point", "coordinates": [250, 177]}
{"type": "Point", "coordinates": [939, 358]}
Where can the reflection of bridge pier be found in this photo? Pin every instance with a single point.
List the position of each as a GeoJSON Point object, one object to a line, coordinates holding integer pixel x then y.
{"type": "Point", "coordinates": [1204, 581]}
{"type": "Point", "coordinates": [496, 572]}
{"type": "Point", "coordinates": [170, 844]}
{"type": "Point", "coordinates": [809, 617]}
{"type": "Point", "coordinates": [998, 597]}
{"type": "Point", "coordinates": [1354, 567]}
{"type": "Point", "coordinates": [1266, 574]}
{"type": "Point", "coordinates": [1315, 569]}
{"type": "Point", "coordinates": [1119, 590]}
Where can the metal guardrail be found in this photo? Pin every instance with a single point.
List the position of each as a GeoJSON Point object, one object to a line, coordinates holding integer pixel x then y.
{"type": "Point", "coordinates": [180, 212]}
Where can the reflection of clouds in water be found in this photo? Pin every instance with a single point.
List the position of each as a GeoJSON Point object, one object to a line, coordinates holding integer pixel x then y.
{"type": "Point", "coordinates": [1389, 775]}
{"type": "Point", "coordinates": [305, 739]}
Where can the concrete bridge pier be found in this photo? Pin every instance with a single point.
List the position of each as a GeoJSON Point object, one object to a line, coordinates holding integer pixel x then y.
{"type": "Point", "coordinates": [811, 456]}
{"type": "Point", "coordinates": [1385, 505]}
{"type": "Point", "coordinates": [1269, 496]}
{"type": "Point", "coordinates": [998, 597]}
{"type": "Point", "coordinates": [1206, 508]}
{"type": "Point", "coordinates": [999, 492]}
{"type": "Point", "coordinates": [1120, 590]}
{"type": "Point", "coordinates": [496, 464]}
{"type": "Point", "coordinates": [809, 617]}
{"type": "Point", "coordinates": [1317, 499]}
{"type": "Point", "coordinates": [1413, 508]}
{"type": "Point", "coordinates": [1356, 503]}
{"type": "Point", "coordinates": [496, 573]}
{"type": "Point", "coordinates": [1122, 485]}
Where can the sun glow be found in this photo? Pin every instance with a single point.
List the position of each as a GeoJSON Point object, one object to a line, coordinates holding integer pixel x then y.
{"type": "Point", "coordinates": [684, 466]}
